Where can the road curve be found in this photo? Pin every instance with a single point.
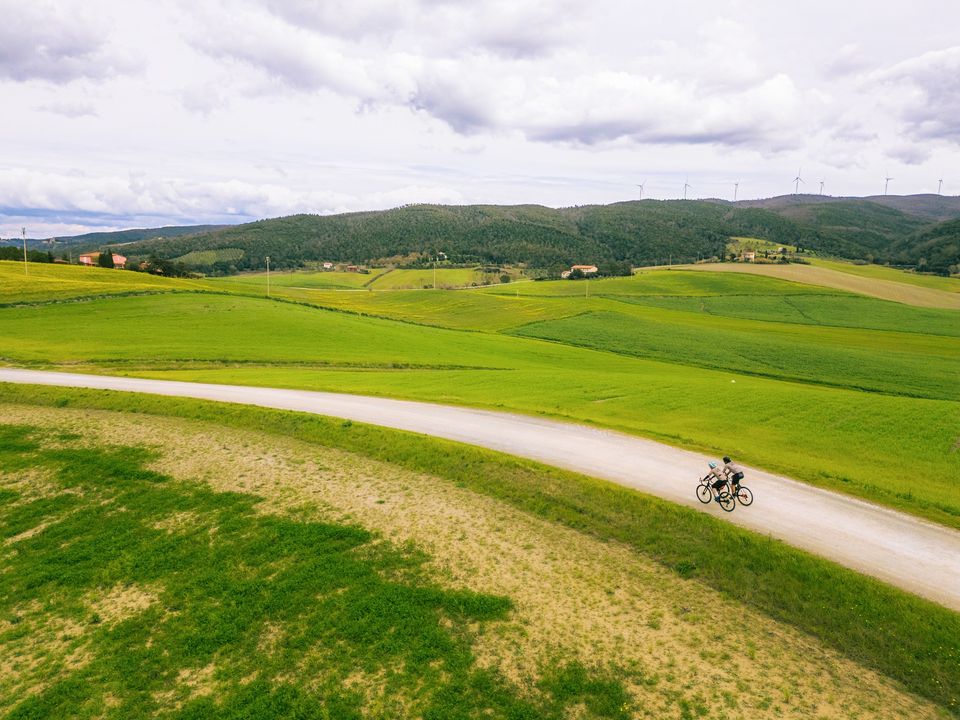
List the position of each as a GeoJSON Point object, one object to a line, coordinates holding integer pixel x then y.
{"type": "Point", "coordinates": [918, 556]}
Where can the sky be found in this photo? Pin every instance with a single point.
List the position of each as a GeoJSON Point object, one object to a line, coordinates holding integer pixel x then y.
{"type": "Point", "coordinates": [135, 113]}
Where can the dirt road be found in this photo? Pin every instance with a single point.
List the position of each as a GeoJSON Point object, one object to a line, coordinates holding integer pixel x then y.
{"type": "Point", "coordinates": [910, 553]}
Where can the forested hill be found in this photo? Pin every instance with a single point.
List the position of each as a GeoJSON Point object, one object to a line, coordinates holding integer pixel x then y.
{"type": "Point", "coordinates": [639, 232]}
{"type": "Point", "coordinates": [94, 240]}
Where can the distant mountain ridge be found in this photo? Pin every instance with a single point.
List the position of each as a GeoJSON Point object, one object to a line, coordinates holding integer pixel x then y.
{"type": "Point", "coordinates": [928, 206]}
{"type": "Point", "coordinates": [114, 237]}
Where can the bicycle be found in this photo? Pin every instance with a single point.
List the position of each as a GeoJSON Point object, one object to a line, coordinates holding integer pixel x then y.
{"type": "Point", "coordinates": [706, 494]}
{"type": "Point", "coordinates": [743, 495]}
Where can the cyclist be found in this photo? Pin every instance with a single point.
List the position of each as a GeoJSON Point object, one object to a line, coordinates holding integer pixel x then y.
{"type": "Point", "coordinates": [721, 479]}
{"type": "Point", "coordinates": [732, 472]}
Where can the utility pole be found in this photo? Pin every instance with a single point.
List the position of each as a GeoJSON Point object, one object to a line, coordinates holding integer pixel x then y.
{"type": "Point", "coordinates": [268, 276]}
{"type": "Point", "coordinates": [23, 232]}
{"type": "Point", "coordinates": [434, 271]}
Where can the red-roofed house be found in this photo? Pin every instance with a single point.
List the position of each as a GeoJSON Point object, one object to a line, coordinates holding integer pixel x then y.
{"type": "Point", "coordinates": [584, 269]}
{"type": "Point", "coordinates": [92, 260]}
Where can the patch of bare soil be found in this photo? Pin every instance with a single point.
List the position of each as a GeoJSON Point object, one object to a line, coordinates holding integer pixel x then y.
{"type": "Point", "coordinates": [676, 643]}
{"type": "Point", "coordinates": [122, 602]}
{"type": "Point", "coordinates": [190, 683]}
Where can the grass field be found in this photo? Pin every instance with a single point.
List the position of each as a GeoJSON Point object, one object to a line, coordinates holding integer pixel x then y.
{"type": "Point", "coordinates": [209, 257]}
{"type": "Point", "coordinates": [815, 309]}
{"type": "Point", "coordinates": [63, 282]}
{"type": "Point", "coordinates": [739, 244]}
{"type": "Point", "coordinates": [300, 279]}
{"type": "Point", "coordinates": [445, 278]}
{"type": "Point", "coordinates": [802, 429]}
{"type": "Point", "coordinates": [896, 289]}
{"type": "Point", "coordinates": [880, 272]}
{"type": "Point", "coordinates": [661, 282]}
{"type": "Point", "coordinates": [152, 566]}
{"type": "Point", "coordinates": [474, 309]}
{"type": "Point", "coordinates": [896, 363]}
{"type": "Point", "coordinates": [441, 573]}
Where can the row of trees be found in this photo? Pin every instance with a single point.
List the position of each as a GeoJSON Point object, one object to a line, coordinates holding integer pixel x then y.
{"type": "Point", "coordinates": [12, 252]}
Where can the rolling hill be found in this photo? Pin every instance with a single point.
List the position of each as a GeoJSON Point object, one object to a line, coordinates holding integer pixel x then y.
{"type": "Point", "coordinates": [96, 240]}
{"type": "Point", "coordinates": [902, 230]}
{"type": "Point", "coordinates": [638, 232]}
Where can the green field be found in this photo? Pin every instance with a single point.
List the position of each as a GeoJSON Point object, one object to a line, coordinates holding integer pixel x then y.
{"type": "Point", "coordinates": [168, 589]}
{"type": "Point", "coordinates": [894, 363]}
{"type": "Point", "coordinates": [675, 282]}
{"type": "Point", "coordinates": [889, 287]}
{"type": "Point", "coordinates": [209, 257]}
{"type": "Point", "coordinates": [740, 244]}
{"type": "Point", "coordinates": [63, 282]}
{"type": "Point", "coordinates": [880, 272]}
{"type": "Point", "coordinates": [146, 578]}
{"type": "Point", "coordinates": [429, 601]}
{"type": "Point", "coordinates": [444, 277]}
{"type": "Point", "coordinates": [463, 310]}
{"type": "Point", "coordinates": [790, 396]}
{"type": "Point", "coordinates": [301, 279]}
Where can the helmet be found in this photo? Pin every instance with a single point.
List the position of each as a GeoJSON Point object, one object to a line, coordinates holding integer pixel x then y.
{"type": "Point", "coordinates": [713, 466]}
{"type": "Point", "coordinates": [726, 459]}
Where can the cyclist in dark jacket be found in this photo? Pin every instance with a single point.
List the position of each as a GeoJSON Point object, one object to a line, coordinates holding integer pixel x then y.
{"type": "Point", "coordinates": [732, 471]}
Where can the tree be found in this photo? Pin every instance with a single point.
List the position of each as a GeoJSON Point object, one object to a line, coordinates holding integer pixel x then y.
{"type": "Point", "coordinates": [105, 259]}
{"type": "Point", "coordinates": [504, 278]}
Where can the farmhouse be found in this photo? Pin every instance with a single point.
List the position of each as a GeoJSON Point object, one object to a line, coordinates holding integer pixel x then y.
{"type": "Point", "coordinates": [92, 259]}
{"type": "Point", "coordinates": [328, 266]}
{"type": "Point", "coordinates": [584, 269]}
{"type": "Point", "coordinates": [749, 256]}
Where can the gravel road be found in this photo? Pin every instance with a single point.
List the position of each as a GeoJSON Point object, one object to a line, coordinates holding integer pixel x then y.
{"type": "Point", "coordinates": [913, 554]}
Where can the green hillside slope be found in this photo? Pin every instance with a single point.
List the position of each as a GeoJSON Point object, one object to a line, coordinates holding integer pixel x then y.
{"type": "Point", "coordinates": [638, 232]}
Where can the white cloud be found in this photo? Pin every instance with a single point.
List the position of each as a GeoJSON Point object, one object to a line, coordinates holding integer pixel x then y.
{"type": "Point", "coordinates": [722, 98]}
{"type": "Point", "coordinates": [70, 108]}
{"type": "Point", "coordinates": [43, 40]}
{"type": "Point", "coordinates": [926, 90]}
{"type": "Point", "coordinates": [141, 200]}
{"type": "Point", "coordinates": [252, 108]}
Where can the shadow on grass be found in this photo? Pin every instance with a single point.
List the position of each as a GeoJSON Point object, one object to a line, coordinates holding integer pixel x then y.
{"type": "Point", "coordinates": [280, 617]}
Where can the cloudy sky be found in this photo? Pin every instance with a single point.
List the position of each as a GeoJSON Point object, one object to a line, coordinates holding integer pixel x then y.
{"type": "Point", "coordinates": [127, 113]}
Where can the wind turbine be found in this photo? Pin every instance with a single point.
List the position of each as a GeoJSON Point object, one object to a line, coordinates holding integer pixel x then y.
{"type": "Point", "coordinates": [886, 184]}
{"type": "Point", "coordinates": [821, 186]}
{"type": "Point", "coordinates": [685, 186]}
{"type": "Point", "coordinates": [736, 188]}
{"type": "Point", "coordinates": [640, 185]}
{"type": "Point", "coordinates": [796, 182]}
{"type": "Point", "coordinates": [940, 187]}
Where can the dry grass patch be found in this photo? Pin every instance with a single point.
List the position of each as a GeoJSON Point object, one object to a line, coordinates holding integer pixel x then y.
{"type": "Point", "coordinates": [122, 602]}
{"type": "Point", "coordinates": [825, 277]}
{"type": "Point", "coordinates": [46, 644]}
{"type": "Point", "coordinates": [676, 643]}
{"type": "Point", "coordinates": [190, 683]}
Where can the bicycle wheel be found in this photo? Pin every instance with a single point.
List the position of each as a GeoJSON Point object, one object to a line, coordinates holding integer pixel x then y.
{"type": "Point", "coordinates": [744, 496]}
{"type": "Point", "coordinates": [703, 494]}
{"type": "Point", "coordinates": [727, 503]}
